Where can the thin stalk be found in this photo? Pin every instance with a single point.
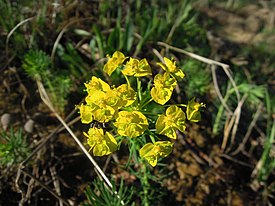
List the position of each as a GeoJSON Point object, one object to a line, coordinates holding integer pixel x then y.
{"type": "Point", "coordinates": [180, 105]}
{"type": "Point", "coordinates": [152, 139]}
{"type": "Point", "coordinates": [143, 105]}
{"type": "Point", "coordinates": [127, 80]}
{"type": "Point", "coordinates": [139, 89]}
{"type": "Point", "coordinates": [145, 184]}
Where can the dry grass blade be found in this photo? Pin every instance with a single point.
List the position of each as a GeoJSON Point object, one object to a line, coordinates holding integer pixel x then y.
{"type": "Point", "coordinates": [249, 130]}
{"type": "Point", "coordinates": [213, 70]}
{"type": "Point", "coordinates": [64, 29]}
{"type": "Point", "coordinates": [233, 125]}
{"type": "Point", "coordinates": [13, 30]}
{"type": "Point", "coordinates": [156, 52]}
{"type": "Point", "coordinates": [56, 183]}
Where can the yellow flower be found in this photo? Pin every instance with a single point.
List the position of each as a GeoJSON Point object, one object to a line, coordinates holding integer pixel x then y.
{"type": "Point", "coordinates": [165, 80]}
{"type": "Point", "coordinates": [96, 84]}
{"type": "Point", "coordinates": [173, 120]}
{"type": "Point", "coordinates": [103, 113]}
{"type": "Point", "coordinates": [193, 110]}
{"type": "Point", "coordinates": [127, 94]}
{"type": "Point", "coordinates": [152, 152]}
{"type": "Point", "coordinates": [163, 88]}
{"type": "Point", "coordinates": [96, 97]}
{"type": "Point", "coordinates": [104, 102]}
{"type": "Point", "coordinates": [113, 99]}
{"type": "Point", "coordinates": [86, 113]}
{"type": "Point", "coordinates": [161, 95]}
{"type": "Point", "coordinates": [131, 124]}
{"type": "Point", "coordinates": [100, 143]}
{"type": "Point", "coordinates": [171, 67]}
{"type": "Point", "coordinates": [116, 60]}
{"type": "Point", "coordinates": [137, 68]}
{"type": "Point", "coordinates": [118, 97]}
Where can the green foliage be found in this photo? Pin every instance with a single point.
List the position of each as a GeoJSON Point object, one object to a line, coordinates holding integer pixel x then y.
{"type": "Point", "coordinates": [6, 9]}
{"type": "Point", "coordinates": [9, 18]}
{"type": "Point", "coordinates": [13, 147]}
{"type": "Point", "coordinates": [255, 93]}
{"type": "Point", "coordinates": [100, 195]}
{"type": "Point", "coordinates": [38, 66]}
{"type": "Point", "coordinates": [151, 21]}
{"type": "Point", "coordinates": [151, 191]}
{"type": "Point", "coordinates": [267, 161]}
{"type": "Point", "coordinates": [254, 96]}
{"type": "Point", "coordinates": [197, 78]}
{"type": "Point", "coordinates": [69, 58]}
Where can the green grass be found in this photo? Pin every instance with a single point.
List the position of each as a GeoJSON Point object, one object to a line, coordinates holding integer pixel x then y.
{"type": "Point", "coordinates": [99, 195]}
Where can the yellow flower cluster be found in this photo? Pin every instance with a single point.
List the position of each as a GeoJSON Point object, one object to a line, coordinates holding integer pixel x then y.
{"type": "Point", "coordinates": [164, 84]}
{"type": "Point", "coordinates": [122, 107]}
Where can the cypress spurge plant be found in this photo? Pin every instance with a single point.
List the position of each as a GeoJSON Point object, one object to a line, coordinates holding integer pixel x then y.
{"type": "Point", "coordinates": [13, 147]}
{"type": "Point", "coordinates": [37, 64]}
{"type": "Point", "coordinates": [128, 110]}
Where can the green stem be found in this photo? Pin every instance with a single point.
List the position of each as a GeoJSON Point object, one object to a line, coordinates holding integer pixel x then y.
{"type": "Point", "coordinates": [127, 80]}
{"type": "Point", "coordinates": [148, 113]}
{"type": "Point", "coordinates": [180, 105]}
{"type": "Point", "coordinates": [139, 89]}
{"type": "Point", "coordinates": [145, 184]}
{"type": "Point", "coordinates": [152, 139]}
{"type": "Point", "coordinates": [143, 105]}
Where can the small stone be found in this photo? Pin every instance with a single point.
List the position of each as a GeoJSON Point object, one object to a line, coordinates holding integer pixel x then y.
{"type": "Point", "coordinates": [28, 127]}
{"type": "Point", "coordinates": [5, 121]}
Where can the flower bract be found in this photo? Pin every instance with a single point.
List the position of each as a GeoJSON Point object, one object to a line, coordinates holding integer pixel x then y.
{"type": "Point", "coordinates": [127, 94]}
{"type": "Point", "coordinates": [163, 88]}
{"type": "Point", "coordinates": [86, 114]}
{"type": "Point", "coordinates": [100, 143]}
{"type": "Point", "coordinates": [165, 80]}
{"type": "Point", "coordinates": [96, 84]}
{"type": "Point", "coordinates": [152, 152]}
{"type": "Point", "coordinates": [173, 120]}
{"type": "Point", "coordinates": [137, 68]}
{"type": "Point", "coordinates": [131, 124]}
{"type": "Point", "coordinates": [116, 60]}
{"type": "Point", "coordinates": [161, 95]}
{"type": "Point", "coordinates": [193, 110]}
{"type": "Point", "coordinates": [171, 67]}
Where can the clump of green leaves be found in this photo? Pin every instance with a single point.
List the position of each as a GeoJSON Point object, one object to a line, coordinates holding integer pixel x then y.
{"type": "Point", "coordinates": [13, 147]}
{"type": "Point", "coordinates": [100, 195]}
{"type": "Point", "coordinates": [197, 79]}
{"type": "Point", "coordinates": [37, 64]}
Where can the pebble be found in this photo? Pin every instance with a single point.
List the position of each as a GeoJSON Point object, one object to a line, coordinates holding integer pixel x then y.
{"type": "Point", "coordinates": [5, 121]}
{"type": "Point", "coordinates": [28, 127]}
